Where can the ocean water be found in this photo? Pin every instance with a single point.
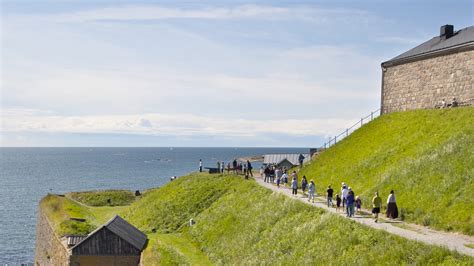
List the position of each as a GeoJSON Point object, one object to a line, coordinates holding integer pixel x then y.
{"type": "Point", "coordinates": [28, 174]}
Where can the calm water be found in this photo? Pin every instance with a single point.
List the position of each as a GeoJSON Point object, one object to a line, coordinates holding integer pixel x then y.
{"type": "Point", "coordinates": [27, 174]}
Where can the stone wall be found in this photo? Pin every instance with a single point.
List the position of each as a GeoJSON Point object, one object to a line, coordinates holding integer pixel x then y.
{"type": "Point", "coordinates": [48, 248]}
{"type": "Point", "coordinates": [423, 84]}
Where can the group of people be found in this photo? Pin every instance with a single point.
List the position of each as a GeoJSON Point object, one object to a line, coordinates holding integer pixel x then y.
{"type": "Point", "coordinates": [237, 167]}
{"type": "Point", "coordinates": [347, 199]}
{"type": "Point", "coordinates": [444, 104]}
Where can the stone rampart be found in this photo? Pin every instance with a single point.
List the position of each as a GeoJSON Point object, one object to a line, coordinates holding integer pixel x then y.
{"type": "Point", "coordinates": [48, 248]}
{"type": "Point", "coordinates": [424, 84]}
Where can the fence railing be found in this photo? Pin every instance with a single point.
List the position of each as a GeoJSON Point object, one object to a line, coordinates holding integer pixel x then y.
{"type": "Point", "coordinates": [349, 130]}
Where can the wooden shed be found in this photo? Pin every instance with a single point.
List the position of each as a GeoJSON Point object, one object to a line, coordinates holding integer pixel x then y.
{"type": "Point", "coordinates": [115, 243]}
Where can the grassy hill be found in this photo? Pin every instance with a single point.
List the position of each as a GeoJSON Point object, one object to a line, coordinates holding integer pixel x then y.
{"type": "Point", "coordinates": [240, 222]}
{"type": "Point", "coordinates": [426, 156]}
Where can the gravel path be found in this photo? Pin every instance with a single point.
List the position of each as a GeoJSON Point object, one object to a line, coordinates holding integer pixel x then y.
{"type": "Point", "coordinates": [452, 241]}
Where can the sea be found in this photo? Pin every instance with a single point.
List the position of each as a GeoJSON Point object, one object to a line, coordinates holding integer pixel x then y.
{"type": "Point", "coordinates": [28, 174]}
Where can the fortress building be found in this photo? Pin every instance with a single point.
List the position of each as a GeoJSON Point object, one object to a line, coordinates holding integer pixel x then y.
{"type": "Point", "coordinates": [440, 68]}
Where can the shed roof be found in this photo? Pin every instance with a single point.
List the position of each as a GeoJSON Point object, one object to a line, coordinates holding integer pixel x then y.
{"type": "Point", "coordinates": [124, 230]}
{"type": "Point", "coordinates": [278, 158]}
{"type": "Point", "coordinates": [463, 37]}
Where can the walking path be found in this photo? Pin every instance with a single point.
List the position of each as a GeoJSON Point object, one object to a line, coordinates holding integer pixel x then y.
{"type": "Point", "coordinates": [452, 241]}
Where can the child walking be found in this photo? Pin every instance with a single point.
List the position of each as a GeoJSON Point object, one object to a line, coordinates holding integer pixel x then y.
{"type": "Point", "coordinates": [311, 190]}
{"type": "Point", "coordinates": [338, 202]}
{"type": "Point", "coordinates": [358, 204]}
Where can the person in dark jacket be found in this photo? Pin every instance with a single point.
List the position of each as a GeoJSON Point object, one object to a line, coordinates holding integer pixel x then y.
{"type": "Point", "coordinates": [330, 192]}
{"type": "Point", "coordinates": [392, 209]}
{"type": "Point", "coordinates": [249, 168]}
{"type": "Point", "coordinates": [350, 200]}
{"type": "Point", "coordinates": [304, 184]}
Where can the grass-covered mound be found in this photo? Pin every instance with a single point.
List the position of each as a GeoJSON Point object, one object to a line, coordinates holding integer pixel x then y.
{"type": "Point", "coordinates": [240, 222]}
{"type": "Point", "coordinates": [104, 198]}
{"type": "Point", "coordinates": [426, 156]}
{"type": "Point", "coordinates": [60, 210]}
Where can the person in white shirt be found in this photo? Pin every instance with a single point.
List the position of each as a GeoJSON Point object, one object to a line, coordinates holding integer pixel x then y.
{"type": "Point", "coordinates": [344, 193]}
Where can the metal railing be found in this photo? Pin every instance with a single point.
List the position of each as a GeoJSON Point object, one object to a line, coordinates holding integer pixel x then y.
{"type": "Point", "coordinates": [348, 131]}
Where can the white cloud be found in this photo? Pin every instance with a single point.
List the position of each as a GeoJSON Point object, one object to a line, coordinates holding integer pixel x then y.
{"type": "Point", "coordinates": [157, 12]}
{"type": "Point", "coordinates": [20, 120]}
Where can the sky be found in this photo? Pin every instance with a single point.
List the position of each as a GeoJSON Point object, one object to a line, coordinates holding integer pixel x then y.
{"type": "Point", "coordinates": [201, 73]}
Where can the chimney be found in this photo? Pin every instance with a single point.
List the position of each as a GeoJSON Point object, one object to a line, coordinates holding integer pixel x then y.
{"type": "Point", "coordinates": [446, 31]}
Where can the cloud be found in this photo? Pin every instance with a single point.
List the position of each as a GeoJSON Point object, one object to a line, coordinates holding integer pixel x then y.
{"type": "Point", "coordinates": [28, 121]}
{"type": "Point", "coordinates": [157, 12]}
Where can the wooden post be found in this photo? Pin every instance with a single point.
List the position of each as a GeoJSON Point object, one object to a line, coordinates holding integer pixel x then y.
{"type": "Point", "coordinates": [371, 116]}
{"type": "Point", "coordinates": [347, 132]}
{"type": "Point", "coordinates": [361, 121]}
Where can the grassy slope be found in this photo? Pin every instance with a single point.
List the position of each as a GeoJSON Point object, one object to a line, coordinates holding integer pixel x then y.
{"type": "Point", "coordinates": [426, 156]}
{"type": "Point", "coordinates": [60, 209]}
{"type": "Point", "coordinates": [240, 222]}
{"type": "Point", "coordinates": [104, 198]}
{"type": "Point", "coordinates": [246, 223]}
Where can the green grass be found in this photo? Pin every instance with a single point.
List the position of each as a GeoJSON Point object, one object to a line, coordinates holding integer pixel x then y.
{"type": "Point", "coordinates": [173, 249]}
{"type": "Point", "coordinates": [170, 207]}
{"type": "Point", "coordinates": [426, 156]}
{"type": "Point", "coordinates": [59, 210]}
{"type": "Point", "coordinates": [104, 198]}
{"type": "Point", "coordinates": [240, 222]}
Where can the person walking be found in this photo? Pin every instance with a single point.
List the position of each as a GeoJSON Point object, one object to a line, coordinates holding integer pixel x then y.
{"type": "Point", "coordinates": [358, 204]}
{"type": "Point", "coordinates": [304, 184]}
{"type": "Point", "coordinates": [200, 165]}
{"type": "Point", "coordinates": [267, 174]}
{"type": "Point", "coordinates": [234, 164]}
{"type": "Point", "coordinates": [278, 180]}
{"type": "Point", "coordinates": [218, 166]}
{"type": "Point", "coordinates": [301, 160]}
{"type": "Point", "coordinates": [311, 189]}
{"type": "Point", "coordinates": [329, 192]}
{"type": "Point", "coordinates": [284, 178]}
{"type": "Point", "coordinates": [277, 174]}
{"type": "Point", "coordinates": [294, 186]}
{"type": "Point", "coordinates": [344, 192]}
{"type": "Point", "coordinates": [294, 175]}
{"type": "Point", "coordinates": [350, 204]}
{"type": "Point", "coordinates": [272, 174]}
{"type": "Point", "coordinates": [338, 202]}
{"type": "Point", "coordinates": [376, 206]}
{"type": "Point", "coordinates": [249, 168]}
{"type": "Point", "coordinates": [392, 209]}
{"type": "Point", "coordinates": [262, 171]}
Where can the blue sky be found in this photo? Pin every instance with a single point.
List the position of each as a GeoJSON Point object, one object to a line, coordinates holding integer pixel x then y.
{"type": "Point", "coordinates": [201, 73]}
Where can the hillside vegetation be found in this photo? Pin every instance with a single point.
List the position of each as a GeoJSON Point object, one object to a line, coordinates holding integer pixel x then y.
{"type": "Point", "coordinates": [104, 198]}
{"type": "Point", "coordinates": [240, 222]}
{"type": "Point", "coordinates": [426, 156]}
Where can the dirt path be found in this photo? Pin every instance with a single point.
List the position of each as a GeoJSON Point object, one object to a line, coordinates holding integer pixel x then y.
{"type": "Point", "coordinates": [452, 241]}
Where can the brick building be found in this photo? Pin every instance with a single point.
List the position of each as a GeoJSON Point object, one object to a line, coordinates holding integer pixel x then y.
{"type": "Point", "coordinates": [440, 68]}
